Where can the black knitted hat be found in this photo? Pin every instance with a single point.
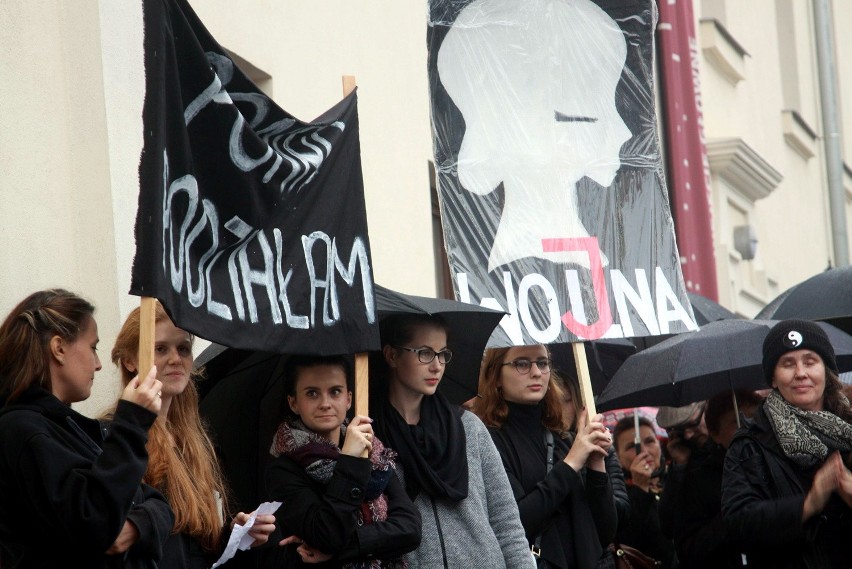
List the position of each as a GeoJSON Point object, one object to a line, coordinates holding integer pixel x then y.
{"type": "Point", "coordinates": [789, 335]}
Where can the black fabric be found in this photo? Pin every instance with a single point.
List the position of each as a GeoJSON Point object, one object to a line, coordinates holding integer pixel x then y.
{"type": "Point", "coordinates": [65, 492]}
{"type": "Point", "coordinates": [181, 550]}
{"type": "Point", "coordinates": [574, 512]}
{"type": "Point", "coordinates": [763, 493]}
{"type": "Point", "coordinates": [643, 530]}
{"type": "Point", "coordinates": [433, 453]}
{"type": "Point", "coordinates": [789, 335]}
{"type": "Point", "coordinates": [323, 514]}
{"type": "Point", "coordinates": [619, 487]}
{"type": "Point", "coordinates": [693, 495]}
{"type": "Point", "coordinates": [251, 227]}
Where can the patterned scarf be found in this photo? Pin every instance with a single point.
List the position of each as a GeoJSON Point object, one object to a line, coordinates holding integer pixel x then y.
{"type": "Point", "coordinates": [318, 456]}
{"type": "Point", "coordinates": [807, 437]}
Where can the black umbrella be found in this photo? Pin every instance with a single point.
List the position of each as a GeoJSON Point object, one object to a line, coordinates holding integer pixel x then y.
{"type": "Point", "coordinates": [242, 395]}
{"type": "Point", "coordinates": [470, 327]}
{"type": "Point", "coordinates": [694, 366]}
{"type": "Point", "coordinates": [704, 310]}
{"type": "Point", "coordinates": [604, 357]}
{"type": "Point", "coordinates": [826, 296]}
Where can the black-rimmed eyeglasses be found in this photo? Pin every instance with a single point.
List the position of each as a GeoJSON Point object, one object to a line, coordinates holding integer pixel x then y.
{"type": "Point", "coordinates": [524, 365]}
{"type": "Point", "coordinates": [428, 355]}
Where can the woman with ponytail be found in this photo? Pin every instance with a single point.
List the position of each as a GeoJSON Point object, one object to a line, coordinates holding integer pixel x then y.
{"type": "Point", "coordinates": [70, 497]}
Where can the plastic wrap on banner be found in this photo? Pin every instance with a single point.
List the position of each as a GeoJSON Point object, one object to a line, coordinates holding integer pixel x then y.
{"type": "Point", "coordinates": [553, 202]}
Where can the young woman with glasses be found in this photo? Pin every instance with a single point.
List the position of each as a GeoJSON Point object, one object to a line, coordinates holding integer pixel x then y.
{"type": "Point", "coordinates": [449, 464]}
{"type": "Point", "coordinates": [558, 479]}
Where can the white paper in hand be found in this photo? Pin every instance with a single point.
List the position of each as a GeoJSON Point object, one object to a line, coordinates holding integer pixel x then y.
{"type": "Point", "coordinates": [240, 539]}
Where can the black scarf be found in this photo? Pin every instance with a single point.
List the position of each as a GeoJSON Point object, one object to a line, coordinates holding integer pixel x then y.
{"type": "Point", "coordinates": [433, 453]}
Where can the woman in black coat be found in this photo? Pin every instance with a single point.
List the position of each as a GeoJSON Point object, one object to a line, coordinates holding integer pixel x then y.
{"type": "Point", "coordinates": [339, 510]}
{"type": "Point", "coordinates": [644, 474]}
{"type": "Point", "coordinates": [68, 497]}
{"type": "Point", "coordinates": [787, 488]}
{"type": "Point", "coordinates": [567, 508]}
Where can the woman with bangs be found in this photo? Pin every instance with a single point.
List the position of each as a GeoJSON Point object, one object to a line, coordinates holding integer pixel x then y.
{"type": "Point", "coordinates": [558, 478]}
{"type": "Point", "coordinates": [183, 463]}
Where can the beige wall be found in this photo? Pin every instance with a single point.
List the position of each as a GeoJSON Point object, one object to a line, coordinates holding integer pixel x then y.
{"type": "Point", "coordinates": [56, 222]}
{"type": "Point", "coordinates": [786, 201]}
{"type": "Point", "coordinates": [71, 84]}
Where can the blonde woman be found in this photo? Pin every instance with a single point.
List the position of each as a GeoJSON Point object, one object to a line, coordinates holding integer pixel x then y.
{"type": "Point", "coordinates": [183, 464]}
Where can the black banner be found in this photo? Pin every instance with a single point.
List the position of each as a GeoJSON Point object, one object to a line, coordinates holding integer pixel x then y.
{"type": "Point", "coordinates": [552, 198]}
{"type": "Point", "coordinates": [251, 228]}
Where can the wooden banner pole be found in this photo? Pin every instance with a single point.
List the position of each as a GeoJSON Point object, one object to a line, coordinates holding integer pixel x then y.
{"type": "Point", "coordinates": [147, 322]}
{"type": "Point", "coordinates": [362, 368]}
{"type": "Point", "coordinates": [585, 378]}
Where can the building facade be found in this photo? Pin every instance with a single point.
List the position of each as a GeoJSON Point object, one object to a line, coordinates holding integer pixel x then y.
{"type": "Point", "coordinates": [71, 78]}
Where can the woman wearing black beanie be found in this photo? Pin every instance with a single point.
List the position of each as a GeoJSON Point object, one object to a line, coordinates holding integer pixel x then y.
{"type": "Point", "coordinates": [787, 487]}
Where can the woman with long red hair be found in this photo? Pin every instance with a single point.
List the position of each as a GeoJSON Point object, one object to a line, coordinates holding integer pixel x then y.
{"type": "Point", "coordinates": [558, 478]}
{"type": "Point", "coordinates": [183, 463]}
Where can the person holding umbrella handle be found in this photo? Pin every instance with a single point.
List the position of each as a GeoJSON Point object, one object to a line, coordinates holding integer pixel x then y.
{"type": "Point", "coordinates": [787, 487]}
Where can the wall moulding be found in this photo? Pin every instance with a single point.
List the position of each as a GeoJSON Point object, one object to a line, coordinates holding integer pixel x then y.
{"type": "Point", "coordinates": [723, 52]}
{"type": "Point", "coordinates": [733, 160]}
{"type": "Point", "coordinates": [798, 134]}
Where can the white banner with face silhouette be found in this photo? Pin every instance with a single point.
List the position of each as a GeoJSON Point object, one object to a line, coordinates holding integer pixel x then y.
{"type": "Point", "coordinates": [553, 203]}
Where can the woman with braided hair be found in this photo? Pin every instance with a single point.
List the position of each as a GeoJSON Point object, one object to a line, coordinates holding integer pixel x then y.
{"type": "Point", "coordinates": [70, 497]}
{"type": "Point", "coordinates": [787, 487]}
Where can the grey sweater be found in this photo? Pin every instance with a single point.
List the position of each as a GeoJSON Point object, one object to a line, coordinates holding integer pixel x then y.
{"type": "Point", "coordinates": [482, 531]}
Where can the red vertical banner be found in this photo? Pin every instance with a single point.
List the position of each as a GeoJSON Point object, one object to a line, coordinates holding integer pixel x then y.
{"type": "Point", "coordinates": [688, 167]}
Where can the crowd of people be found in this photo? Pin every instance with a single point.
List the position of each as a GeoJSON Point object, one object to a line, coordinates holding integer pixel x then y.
{"type": "Point", "coordinates": [521, 477]}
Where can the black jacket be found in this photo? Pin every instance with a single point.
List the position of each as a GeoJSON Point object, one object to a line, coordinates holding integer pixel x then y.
{"type": "Point", "coordinates": [643, 530]}
{"type": "Point", "coordinates": [693, 493]}
{"type": "Point", "coordinates": [574, 512]}
{"type": "Point", "coordinates": [65, 492]}
{"type": "Point", "coordinates": [763, 494]}
{"type": "Point", "coordinates": [324, 515]}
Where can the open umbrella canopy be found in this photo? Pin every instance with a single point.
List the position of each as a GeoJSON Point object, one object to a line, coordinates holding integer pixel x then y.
{"type": "Point", "coordinates": [694, 366]}
{"type": "Point", "coordinates": [243, 392]}
{"type": "Point", "coordinates": [826, 296]}
{"type": "Point", "coordinates": [705, 311]}
{"type": "Point", "coordinates": [604, 357]}
{"type": "Point", "coordinates": [470, 327]}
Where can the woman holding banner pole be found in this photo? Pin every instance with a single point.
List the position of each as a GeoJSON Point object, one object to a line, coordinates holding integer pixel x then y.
{"type": "Point", "coordinates": [450, 466]}
{"type": "Point", "coordinates": [70, 497]}
{"type": "Point", "coordinates": [560, 482]}
{"type": "Point", "coordinates": [183, 463]}
{"type": "Point", "coordinates": [343, 505]}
